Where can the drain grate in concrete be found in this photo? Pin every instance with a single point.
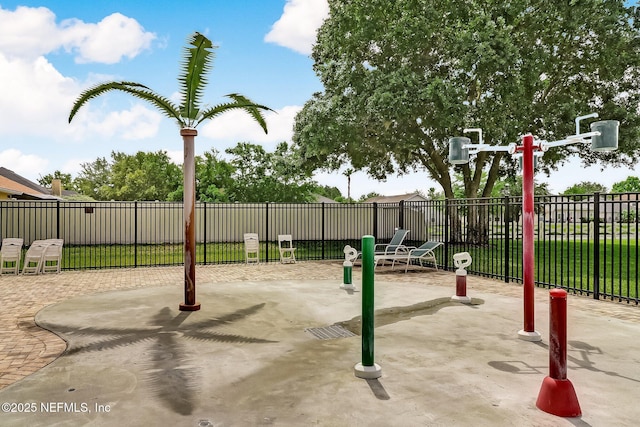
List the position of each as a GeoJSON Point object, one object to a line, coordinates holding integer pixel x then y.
{"type": "Point", "coordinates": [330, 332]}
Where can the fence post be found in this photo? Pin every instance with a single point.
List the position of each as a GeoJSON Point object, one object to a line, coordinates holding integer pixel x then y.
{"type": "Point", "coordinates": [596, 246]}
{"type": "Point", "coordinates": [507, 239]}
{"type": "Point", "coordinates": [135, 233]}
{"type": "Point", "coordinates": [446, 234]}
{"type": "Point", "coordinates": [57, 219]}
{"type": "Point", "coordinates": [375, 220]}
{"type": "Point", "coordinates": [322, 231]}
{"type": "Point", "coordinates": [266, 250]}
{"type": "Point", "coordinates": [204, 229]}
{"type": "Point", "coordinates": [401, 215]}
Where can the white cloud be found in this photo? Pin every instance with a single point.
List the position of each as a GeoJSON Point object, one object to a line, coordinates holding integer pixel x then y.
{"type": "Point", "coordinates": [33, 91]}
{"type": "Point", "coordinates": [176, 156]}
{"type": "Point", "coordinates": [296, 28]}
{"type": "Point", "coordinates": [28, 33]}
{"type": "Point", "coordinates": [108, 41]}
{"type": "Point", "coordinates": [238, 126]}
{"type": "Point", "coordinates": [36, 97]}
{"type": "Point", "coordinates": [132, 124]}
{"type": "Point", "coordinates": [73, 166]}
{"type": "Point", "coordinates": [28, 165]}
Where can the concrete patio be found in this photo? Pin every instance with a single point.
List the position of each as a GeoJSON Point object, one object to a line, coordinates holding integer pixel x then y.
{"type": "Point", "coordinates": [247, 358]}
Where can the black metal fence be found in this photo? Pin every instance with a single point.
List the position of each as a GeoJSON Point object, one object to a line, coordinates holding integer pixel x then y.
{"type": "Point", "coordinates": [587, 244]}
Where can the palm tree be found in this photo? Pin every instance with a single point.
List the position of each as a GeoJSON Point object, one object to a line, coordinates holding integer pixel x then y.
{"type": "Point", "coordinates": [189, 114]}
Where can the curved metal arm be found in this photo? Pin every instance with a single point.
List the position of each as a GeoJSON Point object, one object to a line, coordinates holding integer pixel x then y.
{"type": "Point", "coordinates": [572, 139]}
{"type": "Point", "coordinates": [578, 119]}
{"type": "Point", "coordinates": [477, 130]}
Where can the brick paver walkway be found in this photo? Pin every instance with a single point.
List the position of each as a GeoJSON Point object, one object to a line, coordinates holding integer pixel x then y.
{"type": "Point", "coordinates": [26, 348]}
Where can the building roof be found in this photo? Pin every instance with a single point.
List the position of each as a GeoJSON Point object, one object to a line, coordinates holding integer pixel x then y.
{"type": "Point", "coordinates": [19, 187]}
{"type": "Point", "coordinates": [412, 197]}
{"type": "Point", "coordinates": [323, 199]}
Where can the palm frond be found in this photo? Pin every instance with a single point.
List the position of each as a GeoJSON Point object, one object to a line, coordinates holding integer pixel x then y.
{"type": "Point", "coordinates": [239, 102]}
{"type": "Point", "coordinates": [95, 91]}
{"type": "Point", "coordinates": [197, 62]}
{"type": "Point", "coordinates": [138, 90]}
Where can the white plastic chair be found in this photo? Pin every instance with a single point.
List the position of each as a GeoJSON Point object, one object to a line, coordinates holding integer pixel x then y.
{"type": "Point", "coordinates": [10, 255]}
{"type": "Point", "coordinates": [52, 256]}
{"type": "Point", "coordinates": [287, 251]}
{"type": "Point", "coordinates": [251, 248]}
{"type": "Point", "coordinates": [33, 257]}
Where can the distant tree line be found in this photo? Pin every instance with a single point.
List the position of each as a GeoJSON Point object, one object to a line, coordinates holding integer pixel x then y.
{"type": "Point", "coordinates": [250, 175]}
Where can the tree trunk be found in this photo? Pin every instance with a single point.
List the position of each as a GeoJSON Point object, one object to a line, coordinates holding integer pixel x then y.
{"type": "Point", "coordinates": [454, 214]}
{"type": "Point", "coordinates": [478, 222]}
{"type": "Point", "coordinates": [188, 167]}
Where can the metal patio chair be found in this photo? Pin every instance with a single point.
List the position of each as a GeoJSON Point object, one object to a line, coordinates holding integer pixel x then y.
{"type": "Point", "coordinates": [421, 254]}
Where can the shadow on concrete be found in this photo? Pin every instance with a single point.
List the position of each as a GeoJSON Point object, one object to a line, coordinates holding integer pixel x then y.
{"type": "Point", "coordinates": [378, 389]}
{"type": "Point", "coordinates": [168, 374]}
{"type": "Point", "coordinates": [514, 367]}
{"type": "Point", "coordinates": [388, 316]}
{"type": "Point", "coordinates": [583, 362]}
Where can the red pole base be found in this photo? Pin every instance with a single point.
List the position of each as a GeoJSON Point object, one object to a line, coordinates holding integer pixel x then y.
{"type": "Point", "coordinates": [189, 307]}
{"type": "Point", "coordinates": [558, 397]}
{"type": "Point", "coordinates": [461, 285]}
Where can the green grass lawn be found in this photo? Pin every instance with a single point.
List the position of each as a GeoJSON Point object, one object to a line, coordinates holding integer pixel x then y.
{"type": "Point", "coordinates": [106, 256]}
{"type": "Point", "coordinates": [558, 262]}
{"type": "Point", "coordinates": [569, 264]}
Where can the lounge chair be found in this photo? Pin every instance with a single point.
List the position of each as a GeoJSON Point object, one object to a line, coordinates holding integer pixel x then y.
{"type": "Point", "coordinates": [394, 247]}
{"type": "Point", "coordinates": [287, 251]}
{"type": "Point", "coordinates": [10, 255]}
{"type": "Point", "coordinates": [423, 253]}
{"type": "Point", "coordinates": [251, 248]}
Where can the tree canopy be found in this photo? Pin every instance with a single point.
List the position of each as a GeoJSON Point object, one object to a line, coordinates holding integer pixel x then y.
{"type": "Point", "coordinates": [65, 179]}
{"type": "Point", "coordinates": [629, 185]}
{"type": "Point", "coordinates": [260, 176]}
{"type": "Point", "coordinates": [251, 174]}
{"type": "Point", "coordinates": [402, 77]}
{"type": "Point", "coordinates": [141, 176]}
{"type": "Point", "coordinates": [583, 189]}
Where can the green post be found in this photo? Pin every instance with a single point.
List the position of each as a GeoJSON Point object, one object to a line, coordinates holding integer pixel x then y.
{"type": "Point", "coordinates": [368, 243]}
{"type": "Point", "coordinates": [350, 254]}
{"type": "Point", "coordinates": [347, 273]}
{"type": "Point", "coordinates": [368, 368]}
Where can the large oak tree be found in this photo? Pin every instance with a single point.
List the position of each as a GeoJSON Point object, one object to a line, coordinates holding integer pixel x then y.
{"type": "Point", "coordinates": [402, 77]}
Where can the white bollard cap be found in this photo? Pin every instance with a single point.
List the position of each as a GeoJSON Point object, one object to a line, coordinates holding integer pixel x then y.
{"type": "Point", "coordinates": [462, 260]}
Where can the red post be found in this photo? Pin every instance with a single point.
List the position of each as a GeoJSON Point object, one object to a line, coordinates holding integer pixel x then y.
{"type": "Point", "coordinates": [461, 284]}
{"type": "Point", "coordinates": [558, 334]}
{"type": "Point", "coordinates": [528, 333]}
{"type": "Point", "coordinates": [557, 395]}
{"type": "Point", "coordinates": [461, 260]}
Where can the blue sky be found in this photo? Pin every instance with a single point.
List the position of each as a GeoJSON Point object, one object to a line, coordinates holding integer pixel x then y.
{"type": "Point", "coordinates": [52, 50]}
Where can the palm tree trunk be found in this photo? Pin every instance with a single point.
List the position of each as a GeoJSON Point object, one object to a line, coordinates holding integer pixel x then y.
{"type": "Point", "coordinates": [188, 167]}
